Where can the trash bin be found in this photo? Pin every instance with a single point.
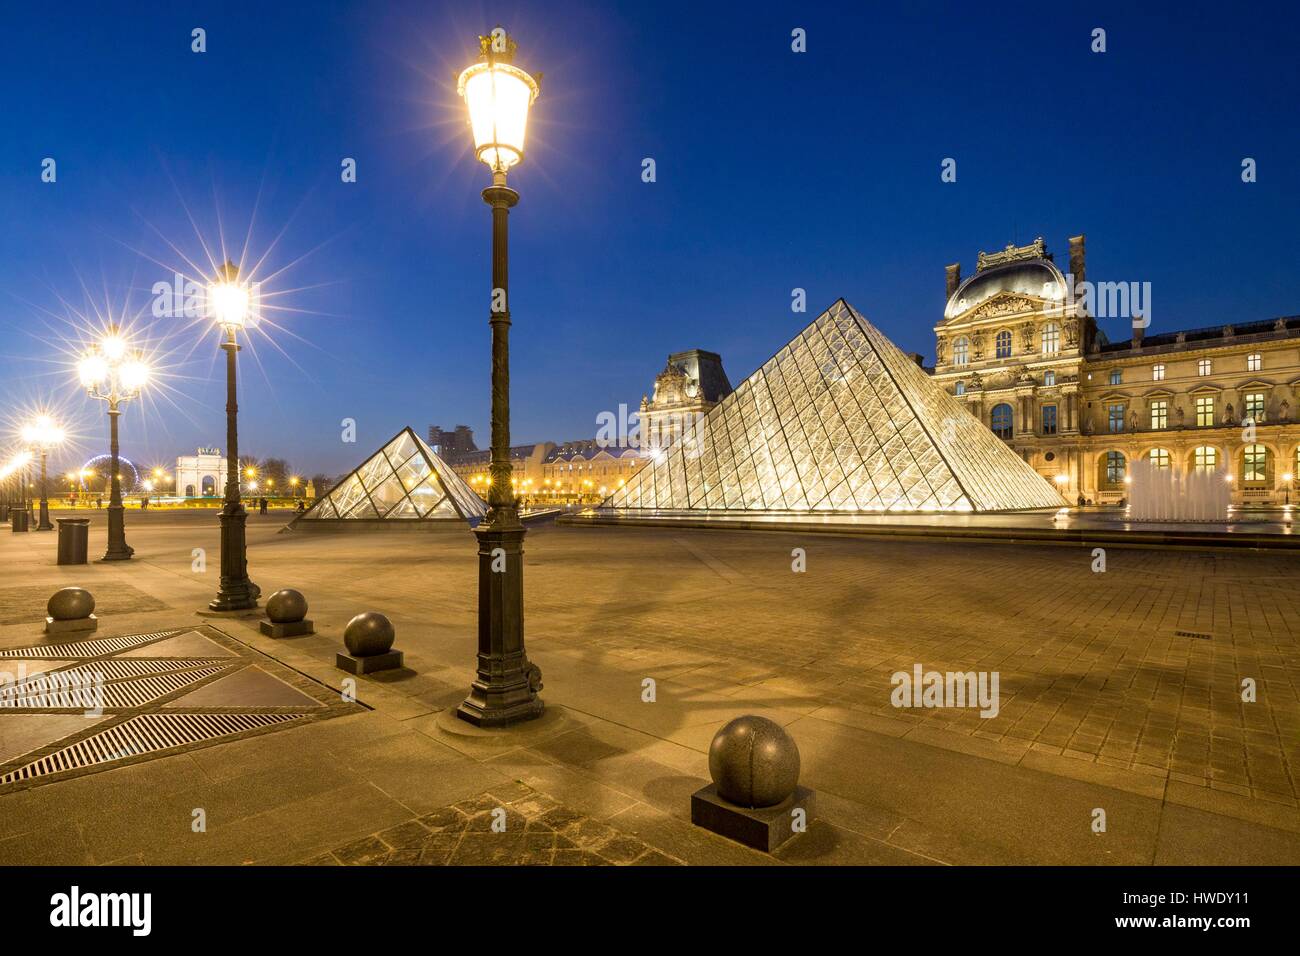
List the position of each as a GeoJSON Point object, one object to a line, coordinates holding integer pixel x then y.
{"type": "Point", "coordinates": [74, 533]}
{"type": "Point", "coordinates": [18, 519]}
{"type": "Point", "coordinates": [4, 511]}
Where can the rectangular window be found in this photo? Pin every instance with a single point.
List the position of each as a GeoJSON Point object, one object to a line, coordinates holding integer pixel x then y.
{"type": "Point", "coordinates": [1203, 367]}
{"type": "Point", "coordinates": [1254, 464]}
{"type": "Point", "coordinates": [1205, 410]}
{"type": "Point", "coordinates": [1254, 362]}
{"type": "Point", "coordinates": [1158, 372]}
{"type": "Point", "coordinates": [1115, 416]}
{"type": "Point", "coordinates": [1255, 406]}
{"type": "Point", "coordinates": [1049, 419]}
{"type": "Point", "coordinates": [1159, 414]}
{"type": "Point", "coordinates": [1116, 376]}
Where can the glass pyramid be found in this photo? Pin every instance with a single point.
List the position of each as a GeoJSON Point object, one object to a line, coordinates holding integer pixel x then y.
{"type": "Point", "coordinates": [838, 421]}
{"type": "Point", "coordinates": [404, 480]}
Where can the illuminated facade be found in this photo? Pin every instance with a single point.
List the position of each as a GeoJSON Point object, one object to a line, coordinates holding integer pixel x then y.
{"type": "Point", "coordinates": [691, 383]}
{"type": "Point", "coordinates": [838, 421]}
{"type": "Point", "coordinates": [201, 475]}
{"type": "Point", "coordinates": [1019, 348]}
{"type": "Point", "coordinates": [403, 481]}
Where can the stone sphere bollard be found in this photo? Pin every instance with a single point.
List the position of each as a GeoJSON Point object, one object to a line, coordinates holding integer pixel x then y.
{"type": "Point", "coordinates": [754, 762]}
{"type": "Point", "coordinates": [368, 634]}
{"type": "Point", "coordinates": [71, 604]}
{"type": "Point", "coordinates": [286, 606]}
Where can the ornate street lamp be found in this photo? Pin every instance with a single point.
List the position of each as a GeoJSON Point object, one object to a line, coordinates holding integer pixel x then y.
{"type": "Point", "coordinates": [229, 306]}
{"type": "Point", "coordinates": [498, 95]}
{"type": "Point", "coordinates": [42, 435]}
{"type": "Point", "coordinates": [111, 371]}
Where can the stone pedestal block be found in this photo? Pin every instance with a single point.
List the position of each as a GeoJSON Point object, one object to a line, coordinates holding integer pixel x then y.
{"type": "Point", "coordinates": [368, 664]}
{"type": "Point", "coordinates": [289, 629]}
{"type": "Point", "coordinates": [763, 828]}
{"type": "Point", "coordinates": [75, 626]}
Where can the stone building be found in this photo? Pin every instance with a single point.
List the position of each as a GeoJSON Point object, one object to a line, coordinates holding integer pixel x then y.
{"type": "Point", "coordinates": [201, 475]}
{"type": "Point", "coordinates": [691, 383]}
{"type": "Point", "coordinates": [588, 470]}
{"type": "Point", "coordinates": [525, 462]}
{"type": "Point", "coordinates": [1019, 344]}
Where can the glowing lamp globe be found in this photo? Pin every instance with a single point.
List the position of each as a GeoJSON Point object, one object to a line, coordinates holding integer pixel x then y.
{"type": "Point", "coordinates": [92, 369]}
{"type": "Point", "coordinates": [113, 347]}
{"type": "Point", "coordinates": [135, 374]}
{"type": "Point", "coordinates": [229, 304]}
{"type": "Point", "coordinates": [498, 95]}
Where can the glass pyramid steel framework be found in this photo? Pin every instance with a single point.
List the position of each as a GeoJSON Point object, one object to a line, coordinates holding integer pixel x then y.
{"type": "Point", "coordinates": [404, 480]}
{"type": "Point", "coordinates": [838, 421]}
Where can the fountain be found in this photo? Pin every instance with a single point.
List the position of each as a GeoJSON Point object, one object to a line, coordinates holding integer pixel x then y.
{"type": "Point", "coordinates": [1161, 494]}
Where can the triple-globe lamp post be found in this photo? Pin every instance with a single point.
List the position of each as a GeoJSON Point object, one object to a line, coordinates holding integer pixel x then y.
{"type": "Point", "coordinates": [113, 372]}
{"type": "Point", "coordinates": [42, 435]}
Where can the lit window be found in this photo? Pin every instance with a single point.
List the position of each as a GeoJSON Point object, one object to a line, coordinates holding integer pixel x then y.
{"type": "Point", "coordinates": [1051, 338]}
{"type": "Point", "coordinates": [1204, 367]}
{"type": "Point", "coordinates": [961, 351]}
{"type": "Point", "coordinates": [1254, 362]}
{"type": "Point", "coordinates": [1049, 378]}
{"type": "Point", "coordinates": [1003, 343]}
{"type": "Point", "coordinates": [1159, 458]}
{"type": "Point", "coordinates": [1000, 420]}
{"type": "Point", "coordinates": [1158, 372]}
{"type": "Point", "coordinates": [1254, 408]}
{"type": "Point", "coordinates": [1116, 376]}
{"type": "Point", "coordinates": [1115, 469]}
{"type": "Point", "coordinates": [960, 388]}
{"type": "Point", "coordinates": [1159, 414]}
{"type": "Point", "coordinates": [1205, 410]}
{"type": "Point", "coordinates": [1049, 419]}
{"type": "Point", "coordinates": [1205, 458]}
{"type": "Point", "coordinates": [1115, 417]}
{"type": "Point", "coordinates": [1254, 464]}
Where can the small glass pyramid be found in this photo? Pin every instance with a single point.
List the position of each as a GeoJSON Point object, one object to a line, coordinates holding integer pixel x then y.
{"type": "Point", "coordinates": [838, 421]}
{"type": "Point", "coordinates": [404, 480]}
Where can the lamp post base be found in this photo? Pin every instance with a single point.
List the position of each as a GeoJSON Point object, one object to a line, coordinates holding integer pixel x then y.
{"type": "Point", "coordinates": [118, 549]}
{"type": "Point", "coordinates": [236, 592]}
{"type": "Point", "coordinates": [505, 691]}
{"type": "Point", "coordinates": [44, 524]}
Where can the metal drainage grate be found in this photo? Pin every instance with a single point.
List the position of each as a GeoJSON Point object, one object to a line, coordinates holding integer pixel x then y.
{"type": "Point", "coordinates": [1196, 634]}
{"type": "Point", "coordinates": [95, 648]}
{"type": "Point", "coordinates": [86, 690]}
{"type": "Point", "coordinates": [145, 734]}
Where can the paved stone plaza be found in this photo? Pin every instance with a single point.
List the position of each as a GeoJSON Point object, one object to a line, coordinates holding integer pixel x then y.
{"type": "Point", "coordinates": [1118, 690]}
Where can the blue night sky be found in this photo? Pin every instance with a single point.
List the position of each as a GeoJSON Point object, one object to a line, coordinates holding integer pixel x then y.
{"type": "Point", "coordinates": [775, 170]}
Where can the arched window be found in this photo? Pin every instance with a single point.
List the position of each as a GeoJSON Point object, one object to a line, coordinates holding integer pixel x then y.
{"type": "Point", "coordinates": [1114, 467]}
{"type": "Point", "coordinates": [1002, 342]}
{"type": "Point", "coordinates": [959, 388]}
{"type": "Point", "coordinates": [1205, 458]}
{"type": "Point", "coordinates": [1254, 465]}
{"type": "Point", "coordinates": [1049, 378]}
{"type": "Point", "coordinates": [1160, 458]}
{"type": "Point", "coordinates": [209, 486]}
{"type": "Point", "coordinates": [961, 351]}
{"type": "Point", "coordinates": [1051, 338]}
{"type": "Point", "coordinates": [1000, 420]}
{"type": "Point", "coordinates": [189, 491]}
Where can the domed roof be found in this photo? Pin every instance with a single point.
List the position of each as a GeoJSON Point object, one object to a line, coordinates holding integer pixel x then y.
{"type": "Point", "coordinates": [1035, 277]}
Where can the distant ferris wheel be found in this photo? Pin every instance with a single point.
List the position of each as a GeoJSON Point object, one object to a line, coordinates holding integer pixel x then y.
{"type": "Point", "coordinates": [95, 474]}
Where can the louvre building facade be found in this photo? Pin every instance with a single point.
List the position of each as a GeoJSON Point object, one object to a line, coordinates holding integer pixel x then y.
{"type": "Point", "coordinates": [1021, 350]}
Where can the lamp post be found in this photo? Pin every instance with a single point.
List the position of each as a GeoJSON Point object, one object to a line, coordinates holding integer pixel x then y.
{"type": "Point", "coordinates": [228, 302]}
{"type": "Point", "coordinates": [42, 435]}
{"type": "Point", "coordinates": [112, 372]}
{"type": "Point", "coordinates": [498, 95]}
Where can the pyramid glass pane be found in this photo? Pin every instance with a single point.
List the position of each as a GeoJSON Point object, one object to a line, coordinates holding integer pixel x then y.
{"type": "Point", "coordinates": [839, 420]}
{"type": "Point", "coordinates": [404, 480]}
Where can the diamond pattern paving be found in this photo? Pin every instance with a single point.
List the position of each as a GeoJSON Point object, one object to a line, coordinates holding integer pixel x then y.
{"type": "Point", "coordinates": [81, 706]}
